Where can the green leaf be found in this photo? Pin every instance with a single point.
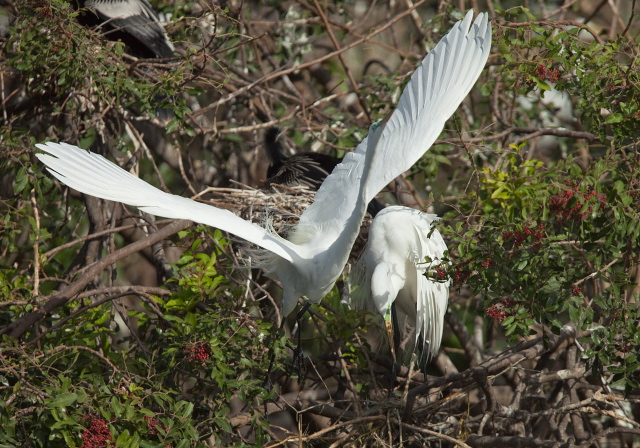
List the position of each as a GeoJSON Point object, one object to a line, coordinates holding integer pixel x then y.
{"type": "Point", "coordinates": [63, 400]}
{"type": "Point", "coordinates": [614, 118]}
{"type": "Point", "coordinates": [21, 181]}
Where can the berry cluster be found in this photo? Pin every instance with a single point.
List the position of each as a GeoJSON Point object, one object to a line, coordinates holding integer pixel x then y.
{"type": "Point", "coordinates": [97, 435]}
{"type": "Point", "coordinates": [563, 212]}
{"type": "Point", "coordinates": [461, 273]}
{"type": "Point", "coordinates": [532, 234]}
{"type": "Point", "coordinates": [501, 311]}
{"type": "Point", "coordinates": [625, 347]}
{"type": "Point", "coordinates": [488, 263]}
{"type": "Point", "coordinates": [576, 290]}
{"type": "Point", "coordinates": [551, 74]}
{"type": "Point", "coordinates": [43, 8]}
{"type": "Point", "coordinates": [441, 274]}
{"type": "Point", "coordinates": [152, 423]}
{"type": "Point", "coordinates": [198, 353]}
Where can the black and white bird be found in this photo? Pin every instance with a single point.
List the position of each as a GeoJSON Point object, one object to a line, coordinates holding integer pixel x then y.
{"type": "Point", "coordinates": [134, 22]}
{"type": "Point", "coordinates": [308, 169]}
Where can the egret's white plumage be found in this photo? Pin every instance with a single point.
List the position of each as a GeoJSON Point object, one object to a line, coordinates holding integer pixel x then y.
{"type": "Point", "coordinates": [311, 259]}
{"type": "Point", "coordinates": [403, 245]}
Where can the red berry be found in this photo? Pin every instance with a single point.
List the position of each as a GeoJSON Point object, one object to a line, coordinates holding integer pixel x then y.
{"type": "Point", "coordinates": [97, 435]}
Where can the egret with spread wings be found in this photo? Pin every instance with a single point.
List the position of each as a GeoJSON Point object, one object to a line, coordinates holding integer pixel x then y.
{"type": "Point", "coordinates": [312, 257]}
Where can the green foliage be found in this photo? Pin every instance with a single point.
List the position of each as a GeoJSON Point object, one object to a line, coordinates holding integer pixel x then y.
{"type": "Point", "coordinates": [65, 65]}
{"type": "Point", "coordinates": [578, 227]}
{"type": "Point", "coordinates": [199, 340]}
{"type": "Point", "coordinates": [602, 77]}
{"type": "Point", "coordinates": [543, 241]}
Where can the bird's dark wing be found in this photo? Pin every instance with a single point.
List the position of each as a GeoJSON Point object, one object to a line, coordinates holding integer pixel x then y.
{"type": "Point", "coordinates": [135, 23]}
{"type": "Point", "coordinates": [309, 169]}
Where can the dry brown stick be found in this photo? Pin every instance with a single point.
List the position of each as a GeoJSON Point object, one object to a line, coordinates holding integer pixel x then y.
{"type": "Point", "coordinates": [465, 338]}
{"type": "Point", "coordinates": [594, 273]}
{"type": "Point", "coordinates": [564, 7]}
{"type": "Point", "coordinates": [521, 130]}
{"type": "Point", "coordinates": [336, 45]}
{"type": "Point", "coordinates": [47, 255]}
{"type": "Point", "coordinates": [556, 23]}
{"type": "Point", "coordinates": [289, 70]}
{"type": "Point", "coordinates": [87, 349]}
{"type": "Point", "coordinates": [633, 11]}
{"type": "Point", "coordinates": [606, 432]}
{"type": "Point", "coordinates": [434, 434]}
{"type": "Point", "coordinates": [526, 350]}
{"type": "Point", "coordinates": [36, 246]}
{"type": "Point", "coordinates": [18, 328]}
{"type": "Point", "coordinates": [120, 291]}
{"type": "Point", "coordinates": [560, 375]}
{"type": "Point", "coordinates": [476, 441]}
{"type": "Point", "coordinates": [324, 431]}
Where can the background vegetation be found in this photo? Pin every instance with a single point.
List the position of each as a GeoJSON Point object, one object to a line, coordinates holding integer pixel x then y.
{"type": "Point", "coordinates": [119, 330]}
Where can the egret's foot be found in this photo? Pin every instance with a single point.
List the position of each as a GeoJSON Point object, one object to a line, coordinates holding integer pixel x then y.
{"type": "Point", "coordinates": [297, 363]}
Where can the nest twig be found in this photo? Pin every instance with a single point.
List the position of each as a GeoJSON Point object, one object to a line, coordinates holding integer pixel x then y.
{"type": "Point", "coordinates": [282, 205]}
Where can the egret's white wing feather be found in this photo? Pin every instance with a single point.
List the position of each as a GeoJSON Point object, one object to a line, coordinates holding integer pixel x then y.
{"type": "Point", "coordinates": [432, 296]}
{"type": "Point", "coordinates": [434, 92]}
{"type": "Point", "coordinates": [94, 175]}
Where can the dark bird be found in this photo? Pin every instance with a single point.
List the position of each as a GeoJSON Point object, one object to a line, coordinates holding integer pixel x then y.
{"type": "Point", "coordinates": [307, 169]}
{"type": "Point", "coordinates": [134, 22]}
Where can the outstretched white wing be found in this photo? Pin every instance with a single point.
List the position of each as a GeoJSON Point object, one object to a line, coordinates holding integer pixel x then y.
{"type": "Point", "coordinates": [433, 94]}
{"type": "Point", "coordinates": [94, 175]}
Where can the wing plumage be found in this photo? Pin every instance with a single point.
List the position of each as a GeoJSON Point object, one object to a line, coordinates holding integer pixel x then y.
{"type": "Point", "coordinates": [432, 296]}
{"type": "Point", "coordinates": [313, 257]}
{"type": "Point", "coordinates": [94, 175]}
{"type": "Point", "coordinates": [433, 94]}
{"type": "Point", "coordinates": [136, 18]}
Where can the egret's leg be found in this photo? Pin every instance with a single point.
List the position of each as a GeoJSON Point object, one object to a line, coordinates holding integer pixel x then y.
{"type": "Point", "coordinates": [267, 381]}
{"type": "Point", "coordinates": [298, 355]}
{"type": "Point", "coordinates": [391, 325]}
{"type": "Point", "coordinates": [424, 361]}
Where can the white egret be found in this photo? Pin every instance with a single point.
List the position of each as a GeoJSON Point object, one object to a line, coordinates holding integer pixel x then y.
{"type": "Point", "coordinates": [403, 245]}
{"type": "Point", "coordinates": [313, 257]}
{"type": "Point", "coordinates": [132, 21]}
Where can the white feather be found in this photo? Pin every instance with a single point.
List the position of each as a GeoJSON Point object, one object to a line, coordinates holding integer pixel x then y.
{"type": "Point", "coordinates": [94, 175]}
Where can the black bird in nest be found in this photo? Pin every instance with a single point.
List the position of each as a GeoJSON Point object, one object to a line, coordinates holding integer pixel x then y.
{"type": "Point", "coordinates": [307, 169]}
